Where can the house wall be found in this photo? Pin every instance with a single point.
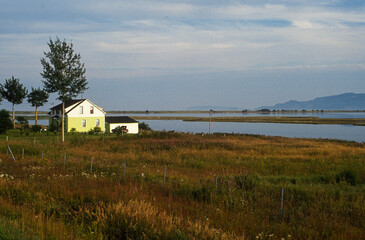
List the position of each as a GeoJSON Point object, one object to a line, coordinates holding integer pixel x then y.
{"type": "Point", "coordinates": [76, 122]}
{"type": "Point", "coordinates": [86, 110]}
{"type": "Point", "coordinates": [132, 127]}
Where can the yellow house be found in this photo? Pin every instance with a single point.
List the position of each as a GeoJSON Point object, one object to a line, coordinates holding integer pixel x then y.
{"type": "Point", "coordinates": [80, 114]}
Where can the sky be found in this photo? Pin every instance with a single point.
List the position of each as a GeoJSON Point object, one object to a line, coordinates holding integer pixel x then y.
{"type": "Point", "coordinates": [176, 55]}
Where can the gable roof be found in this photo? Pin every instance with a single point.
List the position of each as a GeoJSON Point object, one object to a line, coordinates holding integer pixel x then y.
{"type": "Point", "coordinates": [75, 102]}
{"type": "Point", "coordinates": [120, 119]}
{"type": "Point", "coordinates": [67, 104]}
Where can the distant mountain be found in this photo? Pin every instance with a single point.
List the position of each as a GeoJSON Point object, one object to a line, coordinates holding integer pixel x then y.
{"type": "Point", "coordinates": [346, 101]}
{"type": "Point", "coordinates": [215, 108]}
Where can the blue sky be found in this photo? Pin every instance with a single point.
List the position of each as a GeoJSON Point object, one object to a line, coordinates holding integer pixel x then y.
{"type": "Point", "coordinates": [171, 55]}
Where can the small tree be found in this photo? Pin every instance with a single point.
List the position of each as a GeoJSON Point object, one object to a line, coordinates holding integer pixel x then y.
{"type": "Point", "coordinates": [22, 124]}
{"type": "Point", "coordinates": [63, 73]}
{"type": "Point", "coordinates": [5, 122]}
{"type": "Point", "coordinates": [14, 92]}
{"type": "Point", "coordinates": [37, 97]}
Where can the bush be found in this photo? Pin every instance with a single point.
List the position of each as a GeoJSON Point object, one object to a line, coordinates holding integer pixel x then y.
{"type": "Point", "coordinates": [119, 130]}
{"type": "Point", "coordinates": [36, 128]}
{"type": "Point", "coordinates": [5, 122]}
{"type": "Point", "coordinates": [144, 126]}
{"type": "Point", "coordinates": [94, 130]}
{"type": "Point", "coordinates": [52, 127]}
{"type": "Point", "coordinates": [347, 176]}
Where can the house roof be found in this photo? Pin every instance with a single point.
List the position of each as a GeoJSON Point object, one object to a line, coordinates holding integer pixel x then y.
{"type": "Point", "coordinates": [75, 102]}
{"type": "Point", "coordinates": [67, 104]}
{"type": "Point", "coordinates": [120, 119]}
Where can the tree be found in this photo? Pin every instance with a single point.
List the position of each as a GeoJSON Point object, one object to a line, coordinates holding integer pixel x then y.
{"type": "Point", "coordinates": [37, 97]}
{"type": "Point", "coordinates": [5, 122]}
{"type": "Point", "coordinates": [63, 73]}
{"type": "Point", "coordinates": [14, 92]}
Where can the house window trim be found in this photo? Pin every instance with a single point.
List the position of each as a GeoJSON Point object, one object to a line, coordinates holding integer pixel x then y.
{"type": "Point", "coordinates": [81, 110]}
{"type": "Point", "coordinates": [84, 123]}
{"type": "Point", "coordinates": [91, 109]}
{"type": "Point", "coordinates": [97, 122]}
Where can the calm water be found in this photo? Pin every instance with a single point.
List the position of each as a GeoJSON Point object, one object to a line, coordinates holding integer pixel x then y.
{"type": "Point", "coordinates": [298, 114]}
{"type": "Point", "coordinates": [344, 132]}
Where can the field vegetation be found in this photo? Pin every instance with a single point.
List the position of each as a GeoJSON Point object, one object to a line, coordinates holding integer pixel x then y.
{"type": "Point", "coordinates": [167, 185]}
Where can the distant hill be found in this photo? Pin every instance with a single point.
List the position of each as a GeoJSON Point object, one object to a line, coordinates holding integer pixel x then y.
{"type": "Point", "coordinates": [346, 101]}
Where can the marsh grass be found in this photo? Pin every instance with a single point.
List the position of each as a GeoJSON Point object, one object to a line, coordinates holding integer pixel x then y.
{"type": "Point", "coordinates": [52, 199]}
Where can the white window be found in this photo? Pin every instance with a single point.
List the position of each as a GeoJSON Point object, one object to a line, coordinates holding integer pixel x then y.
{"type": "Point", "coordinates": [83, 122]}
{"type": "Point", "coordinates": [98, 122]}
{"type": "Point", "coordinates": [81, 109]}
{"type": "Point", "coordinates": [91, 109]}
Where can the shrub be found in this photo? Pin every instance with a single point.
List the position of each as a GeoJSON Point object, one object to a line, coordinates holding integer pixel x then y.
{"type": "Point", "coordinates": [347, 176]}
{"type": "Point", "coordinates": [94, 130]}
{"type": "Point", "coordinates": [36, 128]}
{"type": "Point", "coordinates": [53, 127]}
{"type": "Point", "coordinates": [119, 130]}
{"type": "Point", "coordinates": [144, 126]}
{"type": "Point", "coordinates": [5, 122]}
{"type": "Point", "coordinates": [73, 130]}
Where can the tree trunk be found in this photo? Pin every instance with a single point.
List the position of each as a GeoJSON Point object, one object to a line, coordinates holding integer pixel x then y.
{"type": "Point", "coordinates": [63, 121]}
{"type": "Point", "coordinates": [13, 117]}
{"type": "Point", "coordinates": [36, 115]}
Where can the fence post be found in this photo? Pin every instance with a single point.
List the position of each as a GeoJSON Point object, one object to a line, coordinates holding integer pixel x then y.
{"type": "Point", "coordinates": [23, 153]}
{"type": "Point", "coordinates": [7, 138]}
{"type": "Point", "coordinates": [12, 155]}
{"type": "Point", "coordinates": [64, 161]}
{"type": "Point", "coordinates": [42, 155]}
{"type": "Point", "coordinates": [282, 200]}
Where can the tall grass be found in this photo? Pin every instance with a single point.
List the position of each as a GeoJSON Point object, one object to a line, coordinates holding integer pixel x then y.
{"type": "Point", "coordinates": [50, 198]}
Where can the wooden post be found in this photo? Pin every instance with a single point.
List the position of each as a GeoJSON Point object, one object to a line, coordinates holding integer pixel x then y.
{"type": "Point", "coordinates": [23, 153]}
{"type": "Point", "coordinates": [64, 161]}
{"type": "Point", "coordinates": [164, 177]}
{"type": "Point", "coordinates": [282, 200]}
{"type": "Point", "coordinates": [12, 155]}
{"type": "Point", "coordinates": [7, 153]}
{"type": "Point", "coordinates": [34, 140]}
{"type": "Point", "coordinates": [7, 138]}
{"type": "Point", "coordinates": [91, 165]}
{"type": "Point", "coordinates": [42, 155]}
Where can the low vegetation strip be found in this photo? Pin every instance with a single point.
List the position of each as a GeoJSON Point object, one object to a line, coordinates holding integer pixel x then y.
{"type": "Point", "coordinates": [165, 185]}
{"type": "Point", "coordinates": [293, 120]}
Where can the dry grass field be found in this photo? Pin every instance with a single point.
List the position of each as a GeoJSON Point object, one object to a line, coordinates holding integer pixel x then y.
{"type": "Point", "coordinates": [219, 186]}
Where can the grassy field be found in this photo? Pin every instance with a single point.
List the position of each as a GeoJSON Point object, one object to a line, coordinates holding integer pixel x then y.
{"type": "Point", "coordinates": [218, 186]}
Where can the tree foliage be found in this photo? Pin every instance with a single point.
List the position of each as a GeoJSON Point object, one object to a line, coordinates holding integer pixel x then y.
{"type": "Point", "coordinates": [5, 122]}
{"type": "Point", "coordinates": [63, 73]}
{"type": "Point", "coordinates": [13, 91]}
{"type": "Point", "coordinates": [37, 97]}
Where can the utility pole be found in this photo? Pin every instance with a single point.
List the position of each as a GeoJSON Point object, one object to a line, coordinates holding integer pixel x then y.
{"type": "Point", "coordinates": [210, 120]}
